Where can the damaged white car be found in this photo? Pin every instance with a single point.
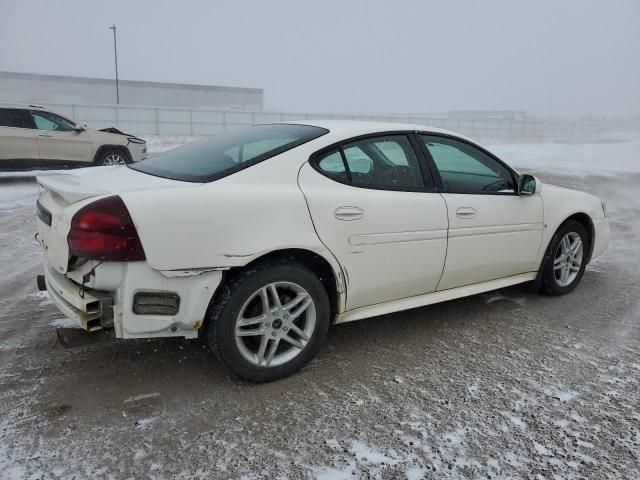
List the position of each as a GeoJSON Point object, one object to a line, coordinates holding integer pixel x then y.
{"type": "Point", "coordinates": [258, 240]}
{"type": "Point", "coordinates": [34, 137]}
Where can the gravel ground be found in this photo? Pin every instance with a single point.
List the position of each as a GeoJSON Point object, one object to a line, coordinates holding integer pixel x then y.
{"type": "Point", "coordinates": [499, 385]}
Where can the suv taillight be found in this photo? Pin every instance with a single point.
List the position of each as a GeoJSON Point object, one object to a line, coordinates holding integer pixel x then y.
{"type": "Point", "coordinates": [103, 230]}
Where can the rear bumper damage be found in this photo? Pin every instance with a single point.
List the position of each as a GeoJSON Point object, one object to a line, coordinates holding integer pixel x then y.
{"type": "Point", "coordinates": [134, 299]}
{"type": "Point", "coordinates": [91, 310]}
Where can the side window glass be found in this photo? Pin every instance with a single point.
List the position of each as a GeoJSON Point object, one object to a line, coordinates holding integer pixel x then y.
{"type": "Point", "coordinates": [359, 162]}
{"type": "Point", "coordinates": [331, 163]}
{"type": "Point", "coordinates": [384, 162]}
{"type": "Point", "coordinates": [49, 121]}
{"type": "Point", "coordinates": [14, 118]}
{"type": "Point", "coordinates": [466, 169]}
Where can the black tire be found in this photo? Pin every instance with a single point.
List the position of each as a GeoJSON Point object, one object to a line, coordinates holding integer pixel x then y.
{"type": "Point", "coordinates": [550, 284]}
{"type": "Point", "coordinates": [103, 157]}
{"type": "Point", "coordinates": [225, 308]}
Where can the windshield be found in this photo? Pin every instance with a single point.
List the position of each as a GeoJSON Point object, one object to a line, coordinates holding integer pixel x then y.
{"type": "Point", "coordinates": [222, 155]}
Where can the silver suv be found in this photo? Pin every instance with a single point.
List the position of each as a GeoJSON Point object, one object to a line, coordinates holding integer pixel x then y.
{"type": "Point", "coordinates": [32, 136]}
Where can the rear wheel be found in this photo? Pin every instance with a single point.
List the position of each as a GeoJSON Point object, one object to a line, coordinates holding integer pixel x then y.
{"type": "Point", "coordinates": [566, 259]}
{"type": "Point", "coordinates": [111, 157]}
{"type": "Point", "coordinates": [269, 321]}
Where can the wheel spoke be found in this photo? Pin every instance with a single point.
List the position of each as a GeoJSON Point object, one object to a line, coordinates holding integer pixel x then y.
{"type": "Point", "coordinates": [264, 298]}
{"type": "Point", "coordinates": [292, 303]}
{"type": "Point", "coordinates": [274, 293]}
{"type": "Point", "coordinates": [293, 341]}
{"type": "Point", "coordinates": [565, 245]}
{"type": "Point", "coordinates": [299, 332]}
{"type": "Point", "coordinates": [252, 332]}
{"type": "Point", "coordinates": [575, 247]}
{"type": "Point", "coordinates": [263, 346]}
{"type": "Point", "coordinates": [272, 351]}
{"type": "Point", "coordinates": [245, 322]}
{"type": "Point", "coordinates": [557, 264]}
{"type": "Point", "coordinates": [300, 309]}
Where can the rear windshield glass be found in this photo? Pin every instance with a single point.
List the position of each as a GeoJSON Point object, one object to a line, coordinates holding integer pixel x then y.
{"type": "Point", "coordinates": [224, 154]}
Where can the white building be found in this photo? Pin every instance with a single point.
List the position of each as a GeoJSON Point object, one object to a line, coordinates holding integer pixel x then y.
{"type": "Point", "coordinates": [57, 89]}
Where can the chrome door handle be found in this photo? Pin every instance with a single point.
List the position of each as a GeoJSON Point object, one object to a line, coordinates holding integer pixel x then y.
{"type": "Point", "coordinates": [45, 135]}
{"type": "Point", "coordinates": [466, 212]}
{"type": "Point", "coordinates": [349, 213]}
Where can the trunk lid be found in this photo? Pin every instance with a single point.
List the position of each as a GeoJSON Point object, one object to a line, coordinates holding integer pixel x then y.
{"type": "Point", "coordinates": [63, 196]}
{"type": "Point", "coordinates": [80, 184]}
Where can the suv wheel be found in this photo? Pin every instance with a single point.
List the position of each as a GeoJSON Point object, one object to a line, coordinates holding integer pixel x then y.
{"type": "Point", "coordinates": [111, 157]}
{"type": "Point", "coordinates": [269, 321]}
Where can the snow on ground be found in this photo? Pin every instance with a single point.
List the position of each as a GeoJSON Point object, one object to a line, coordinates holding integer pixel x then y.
{"type": "Point", "coordinates": [607, 158]}
{"type": "Point", "coordinates": [16, 195]}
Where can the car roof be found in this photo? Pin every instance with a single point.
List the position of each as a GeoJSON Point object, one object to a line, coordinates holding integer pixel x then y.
{"type": "Point", "coordinates": [354, 128]}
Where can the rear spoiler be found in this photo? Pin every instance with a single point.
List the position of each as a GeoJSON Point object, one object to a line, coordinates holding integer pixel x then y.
{"type": "Point", "coordinates": [70, 186]}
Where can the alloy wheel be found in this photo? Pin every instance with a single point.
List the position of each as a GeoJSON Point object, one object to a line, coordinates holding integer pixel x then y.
{"type": "Point", "coordinates": [275, 324]}
{"type": "Point", "coordinates": [568, 259]}
{"type": "Point", "coordinates": [113, 159]}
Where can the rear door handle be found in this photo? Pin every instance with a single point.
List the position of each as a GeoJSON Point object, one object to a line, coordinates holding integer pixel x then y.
{"type": "Point", "coordinates": [466, 212]}
{"type": "Point", "coordinates": [45, 135]}
{"type": "Point", "coordinates": [349, 213]}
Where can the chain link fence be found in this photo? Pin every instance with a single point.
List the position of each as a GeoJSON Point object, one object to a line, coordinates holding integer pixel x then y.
{"type": "Point", "coordinates": [164, 121]}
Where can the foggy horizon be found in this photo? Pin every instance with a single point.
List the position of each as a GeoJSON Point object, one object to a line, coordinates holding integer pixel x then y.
{"type": "Point", "coordinates": [574, 58]}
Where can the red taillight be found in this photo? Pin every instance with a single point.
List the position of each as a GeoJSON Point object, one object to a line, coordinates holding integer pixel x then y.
{"type": "Point", "coordinates": [103, 230]}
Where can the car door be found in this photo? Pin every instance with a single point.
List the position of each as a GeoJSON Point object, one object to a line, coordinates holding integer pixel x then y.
{"type": "Point", "coordinates": [375, 209]}
{"type": "Point", "coordinates": [17, 138]}
{"type": "Point", "coordinates": [58, 139]}
{"type": "Point", "coordinates": [493, 231]}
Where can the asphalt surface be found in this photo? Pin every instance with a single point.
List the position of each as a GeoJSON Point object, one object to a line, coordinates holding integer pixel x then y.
{"type": "Point", "coordinates": [500, 385]}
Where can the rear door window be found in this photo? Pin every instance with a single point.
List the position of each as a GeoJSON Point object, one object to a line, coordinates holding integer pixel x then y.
{"type": "Point", "coordinates": [386, 162]}
{"type": "Point", "coordinates": [332, 164]}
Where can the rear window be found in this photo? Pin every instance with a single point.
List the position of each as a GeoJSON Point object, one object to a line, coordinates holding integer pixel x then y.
{"type": "Point", "coordinates": [211, 159]}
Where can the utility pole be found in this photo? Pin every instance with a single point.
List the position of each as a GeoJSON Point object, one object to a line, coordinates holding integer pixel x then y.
{"type": "Point", "coordinates": [115, 54]}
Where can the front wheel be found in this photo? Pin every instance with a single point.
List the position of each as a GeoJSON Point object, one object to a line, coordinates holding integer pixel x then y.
{"type": "Point", "coordinates": [566, 259]}
{"type": "Point", "coordinates": [269, 321]}
{"type": "Point", "coordinates": [111, 157]}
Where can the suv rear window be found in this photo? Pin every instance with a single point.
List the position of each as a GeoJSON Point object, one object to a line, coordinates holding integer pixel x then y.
{"type": "Point", "coordinates": [222, 155]}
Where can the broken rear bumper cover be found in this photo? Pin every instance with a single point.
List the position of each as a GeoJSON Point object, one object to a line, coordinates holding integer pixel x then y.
{"type": "Point", "coordinates": [91, 310]}
{"type": "Point", "coordinates": [112, 298]}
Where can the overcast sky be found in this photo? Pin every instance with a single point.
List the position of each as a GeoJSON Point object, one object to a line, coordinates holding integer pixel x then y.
{"type": "Point", "coordinates": [575, 57]}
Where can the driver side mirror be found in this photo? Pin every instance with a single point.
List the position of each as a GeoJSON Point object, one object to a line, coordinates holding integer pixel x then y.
{"type": "Point", "coordinates": [79, 128]}
{"type": "Point", "coordinates": [528, 185]}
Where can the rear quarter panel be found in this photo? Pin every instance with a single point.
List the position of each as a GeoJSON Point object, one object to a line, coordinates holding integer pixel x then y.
{"type": "Point", "coordinates": [228, 222]}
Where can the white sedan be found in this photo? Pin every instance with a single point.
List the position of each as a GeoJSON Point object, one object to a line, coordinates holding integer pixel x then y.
{"type": "Point", "coordinates": [258, 240]}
